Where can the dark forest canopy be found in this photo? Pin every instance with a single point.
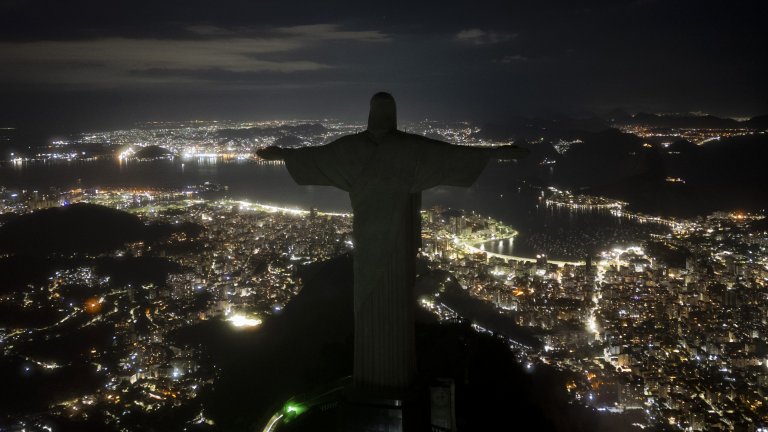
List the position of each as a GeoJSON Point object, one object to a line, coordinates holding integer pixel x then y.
{"type": "Point", "coordinates": [84, 228]}
{"type": "Point", "coordinates": [152, 152]}
{"type": "Point", "coordinates": [80, 228]}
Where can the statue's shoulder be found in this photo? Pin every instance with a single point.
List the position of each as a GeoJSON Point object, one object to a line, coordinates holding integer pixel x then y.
{"type": "Point", "coordinates": [409, 137]}
{"type": "Point", "coordinates": [352, 147]}
{"type": "Point", "coordinates": [354, 138]}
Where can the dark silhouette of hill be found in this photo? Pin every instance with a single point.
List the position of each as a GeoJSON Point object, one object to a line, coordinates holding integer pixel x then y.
{"type": "Point", "coordinates": [74, 343]}
{"type": "Point", "coordinates": [22, 142]}
{"type": "Point", "coordinates": [19, 271]}
{"type": "Point", "coordinates": [758, 122]}
{"type": "Point", "coordinates": [681, 121]}
{"type": "Point", "coordinates": [522, 128]}
{"type": "Point", "coordinates": [34, 391]}
{"type": "Point", "coordinates": [83, 228]}
{"type": "Point", "coordinates": [136, 270]}
{"type": "Point", "coordinates": [670, 255]}
{"type": "Point", "coordinates": [28, 317]}
{"type": "Point", "coordinates": [289, 141]}
{"type": "Point", "coordinates": [720, 174]}
{"type": "Point", "coordinates": [689, 121]}
{"type": "Point", "coordinates": [68, 237]}
{"type": "Point", "coordinates": [152, 152]}
{"type": "Point", "coordinates": [740, 147]}
{"type": "Point", "coordinates": [618, 116]}
{"type": "Point", "coordinates": [725, 174]}
{"type": "Point", "coordinates": [759, 225]}
{"type": "Point", "coordinates": [609, 157]}
{"type": "Point", "coordinates": [737, 161]}
{"type": "Point", "coordinates": [159, 231]}
{"type": "Point", "coordinates": [684, 147]}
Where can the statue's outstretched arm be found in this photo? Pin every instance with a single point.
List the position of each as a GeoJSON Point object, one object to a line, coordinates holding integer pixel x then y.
{"type": "Point", "coordinates": [441, 163]}
{"type": "Point", "coordinates": [506, 152]}
{"type": "Point", "coordinates": [317, 165]}
{"type": "Point", "coordinates": [279, 153]}
{"type": "Point", "coordinates": [271, 153]}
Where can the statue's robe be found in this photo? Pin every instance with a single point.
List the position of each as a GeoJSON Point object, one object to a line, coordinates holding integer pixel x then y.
{"type": "Point", "coordinates": [384, 175]}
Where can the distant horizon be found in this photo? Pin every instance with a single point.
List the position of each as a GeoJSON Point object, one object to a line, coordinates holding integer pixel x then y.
{"type": "Point", "coordinates": [127, 124]}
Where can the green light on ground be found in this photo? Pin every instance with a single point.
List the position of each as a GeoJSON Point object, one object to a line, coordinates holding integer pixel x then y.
{"type": "Point", "coordinates": [293, 409]}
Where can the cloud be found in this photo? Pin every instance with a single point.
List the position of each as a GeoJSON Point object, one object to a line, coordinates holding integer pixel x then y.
{"type": "Point", "coordinates": [310, 32]}
{"type": "Point", "coordinates": [481, 37]}
{"type": "Point", "coordinates": [209, 30]}
{"type": "Point", "coordinates": [121, 60]}
{"type": "Point", "coordinates": [507, 59]}
{"type": "Point", "coordinates": [333, 32]}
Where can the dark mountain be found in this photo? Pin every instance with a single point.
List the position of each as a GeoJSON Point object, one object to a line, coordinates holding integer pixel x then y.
{"type": "Point", "coordinates": [684, 147]}
{"type": "Point", "coordinates": [152, 152]}
{"type": "Point", "coordinates": [28, 317]}
{"type": "Point", "coordinates": [521, 128]}
{"type": "Point", "coordinates": [34, 391]}
{"type": "Point", "coordinates": [161, 231]}
{"type": "Point", "coordinates": [759, 225]}
{"type": "Point", "coordinates": [618, 115]}
{"type": "Point", "coordinates": [289, 141]}
{"type": "Point", "coordinates": [737, 162]}
{"type": "Point", "coordinates": [21, 142]}
{"type": "Point", "coordinates": [20, 271]}
{"type": "Point", "coordinates": [680, 121]}
{"type": "Point", "coordinates": [725, 174]}
{"type": "Point", "coordinates": [83, 228]}
{"type": "Point", "coordinates": [136, 270]}
{"type": "Point", "coordinates": [607, 158]}
{"type": "Point", "coordinates": [759, 122]}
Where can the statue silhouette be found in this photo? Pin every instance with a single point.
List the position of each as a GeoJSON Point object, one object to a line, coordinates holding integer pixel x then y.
{"type": "Point", "coordinates": [384, 170]}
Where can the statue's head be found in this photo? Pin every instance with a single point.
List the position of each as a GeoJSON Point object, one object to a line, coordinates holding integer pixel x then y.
{"type": "Point", "coordinates": [383, 115]}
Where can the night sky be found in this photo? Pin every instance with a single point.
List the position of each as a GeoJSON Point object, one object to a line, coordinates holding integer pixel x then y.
{"type": "Point", "coordinates": [87, 63]}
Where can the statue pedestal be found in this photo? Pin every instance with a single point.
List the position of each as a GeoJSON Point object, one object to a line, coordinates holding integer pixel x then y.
{"type": "Point", "coordinates": [367, 413]}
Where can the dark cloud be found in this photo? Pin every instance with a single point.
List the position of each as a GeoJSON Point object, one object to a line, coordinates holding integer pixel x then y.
{"type": "Point", "coordinates": [482, 37]}
{"type": "Point", "coordinates": [110, 62]}
{"type": "Point", "coordinates": [464, 60]}
{"type": "Point", "coordinates": [514, 58]}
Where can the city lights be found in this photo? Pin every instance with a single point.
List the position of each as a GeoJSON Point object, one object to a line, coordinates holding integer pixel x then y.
{"type": "Point", "coordinates": [239, 320]}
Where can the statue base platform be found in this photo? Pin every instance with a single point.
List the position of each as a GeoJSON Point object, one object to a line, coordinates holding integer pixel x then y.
{"type": "Point", "coordinates": [379, 412]}
{"type": "Point", "coordinates": [352, 410]}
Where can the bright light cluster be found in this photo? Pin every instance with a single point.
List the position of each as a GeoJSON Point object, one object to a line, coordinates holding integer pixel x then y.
{"type": "Point", "coordinates": [239, 320]}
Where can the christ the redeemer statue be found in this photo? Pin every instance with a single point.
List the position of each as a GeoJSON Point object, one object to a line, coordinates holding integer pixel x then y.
{"type": "Point", "coordinates": [384, 171]}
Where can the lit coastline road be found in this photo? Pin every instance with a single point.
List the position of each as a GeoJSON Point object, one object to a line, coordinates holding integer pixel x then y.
{"type": "Point", "coordinates": [273, 422]}
{"type": "Point", "coordinates": [247, 205]}
{"type": "Point", "coordinates": [474, 249]}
